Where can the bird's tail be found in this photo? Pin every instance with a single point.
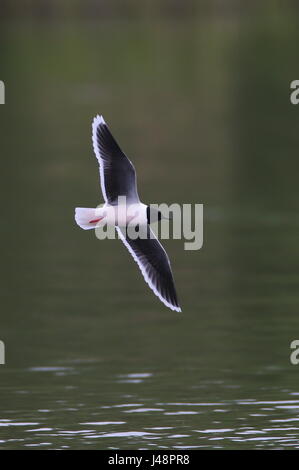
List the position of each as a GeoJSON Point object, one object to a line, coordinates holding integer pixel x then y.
{"type": "Point", "coordinates": [87, 218]}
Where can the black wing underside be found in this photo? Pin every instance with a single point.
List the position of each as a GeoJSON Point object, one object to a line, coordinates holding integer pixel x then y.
{"type": "Point", "coordinates": [154, 264]}
{"type": "Point", "coordinates": [118, 176]}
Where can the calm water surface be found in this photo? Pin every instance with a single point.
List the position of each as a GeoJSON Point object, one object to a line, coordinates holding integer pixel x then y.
{"type": "Point", "coordinates": [93, 359]}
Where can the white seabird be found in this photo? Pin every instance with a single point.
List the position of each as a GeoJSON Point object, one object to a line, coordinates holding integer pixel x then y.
{"type": "Point", "coordinates": [118, 179]}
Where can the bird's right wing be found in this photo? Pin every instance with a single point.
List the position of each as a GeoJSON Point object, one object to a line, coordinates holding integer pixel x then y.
{"type": "Point", "coordinates": [117, 173]}
{"type": "Point", "coordinates": [154, 264]}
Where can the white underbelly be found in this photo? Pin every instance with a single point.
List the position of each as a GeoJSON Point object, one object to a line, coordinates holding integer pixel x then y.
{"type": "Point", "coordinates": [133, 214]}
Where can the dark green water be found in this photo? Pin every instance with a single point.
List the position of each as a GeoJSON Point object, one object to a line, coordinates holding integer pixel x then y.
{"type": "Point", "coordinates": [93, 359]}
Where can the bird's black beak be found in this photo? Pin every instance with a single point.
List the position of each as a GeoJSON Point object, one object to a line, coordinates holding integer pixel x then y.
{"type": "Point", "coordinates": [168, 217]}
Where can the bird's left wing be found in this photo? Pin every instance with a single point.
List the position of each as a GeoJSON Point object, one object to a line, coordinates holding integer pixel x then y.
{"type": "Point", "coordinates": [154, 264]}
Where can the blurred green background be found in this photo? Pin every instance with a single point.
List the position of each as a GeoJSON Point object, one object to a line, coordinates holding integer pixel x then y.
{"type": "Point", "coordinates": [198, 96]}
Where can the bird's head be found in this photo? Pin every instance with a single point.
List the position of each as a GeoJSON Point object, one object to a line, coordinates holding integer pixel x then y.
{"type": "Point", "coordinates": [155, 215]}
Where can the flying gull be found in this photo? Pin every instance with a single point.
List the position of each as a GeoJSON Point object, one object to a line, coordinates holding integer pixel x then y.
{"type": "Point", "coordinates": [118, 182]}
